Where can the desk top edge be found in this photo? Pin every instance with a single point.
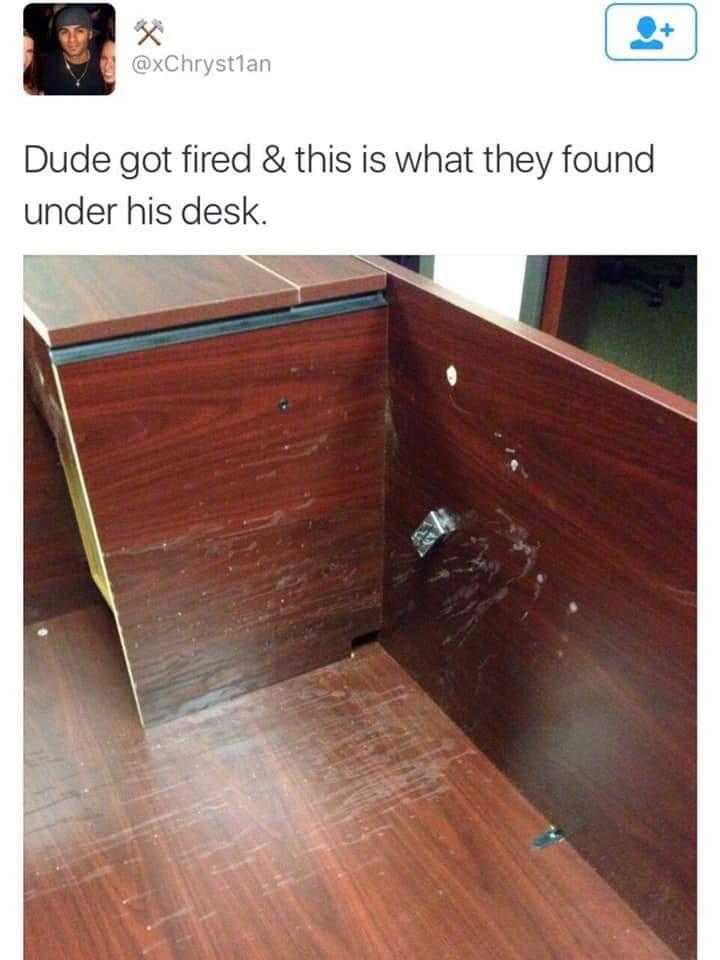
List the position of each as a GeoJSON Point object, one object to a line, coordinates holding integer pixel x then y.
{"type": "Point", "coordinates": [71, 300]}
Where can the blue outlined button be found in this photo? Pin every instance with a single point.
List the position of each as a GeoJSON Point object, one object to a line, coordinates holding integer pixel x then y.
{"type": "Point", "coordinates": [651, 31]}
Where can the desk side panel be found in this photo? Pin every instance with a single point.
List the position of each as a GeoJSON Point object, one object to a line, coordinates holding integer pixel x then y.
{"type": "Point", "coordinates": [55, 573]}
{"type": "Point", "coordinates": [242, 534]}
{"type": "Point", "coordinates": [557, 625]}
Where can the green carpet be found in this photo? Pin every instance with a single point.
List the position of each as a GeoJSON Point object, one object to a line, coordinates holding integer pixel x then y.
{"type": "Point", "coordinates": [659, 343]}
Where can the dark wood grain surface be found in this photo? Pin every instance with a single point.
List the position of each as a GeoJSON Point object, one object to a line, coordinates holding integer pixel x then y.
{"type": "Point", "coordinates": [55, 573]}
{"type": "Point", "coordinates": [569, 290]}
{"type": "Point", "coordinates": [550, 344]}
{"type": "Point", "coordinates": [243, 541]}
{"type": "Point", "coordinates": [73, 299]}
{"type": "Point", "coordinates": [337, 815]}
{"type": "Point", "coordinates": [557, 626]}
{"type": "Point", "coordinates": [325, 277]}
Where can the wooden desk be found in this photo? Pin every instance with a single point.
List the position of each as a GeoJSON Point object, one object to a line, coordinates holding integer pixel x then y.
{"type": "Point", "coordinates": [243, 524]}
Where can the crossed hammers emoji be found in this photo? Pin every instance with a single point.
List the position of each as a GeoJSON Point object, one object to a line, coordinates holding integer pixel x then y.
{"type": "Point", "coordinates": [142, 25]}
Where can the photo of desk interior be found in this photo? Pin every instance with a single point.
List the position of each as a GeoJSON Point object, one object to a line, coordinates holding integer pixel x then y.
{"type": "Point", "coordinates": [270, 728]}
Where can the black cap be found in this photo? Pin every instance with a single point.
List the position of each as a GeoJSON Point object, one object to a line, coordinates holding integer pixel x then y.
{"type": "Point", "coordinates": [73, 16]}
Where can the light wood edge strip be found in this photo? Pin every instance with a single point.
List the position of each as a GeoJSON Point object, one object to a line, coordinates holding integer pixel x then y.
{"type": "Point", "coordinates": [311, 292]}
{"type": "Point", "coordinates": [91, 518]}
{"type": "Point", "coordinates": [274, 273]}
{"type": "Point", "coordinates": [601, 368]}
{"type": "Point", "coordinates": [36, 323]}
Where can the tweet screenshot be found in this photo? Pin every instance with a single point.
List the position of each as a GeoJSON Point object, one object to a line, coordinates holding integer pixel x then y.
{"type": "Point", "coordinates": [351, 595]}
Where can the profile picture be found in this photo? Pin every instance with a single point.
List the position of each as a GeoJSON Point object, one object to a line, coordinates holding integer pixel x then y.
{"type": "Point", "coordinates": [69, 49]}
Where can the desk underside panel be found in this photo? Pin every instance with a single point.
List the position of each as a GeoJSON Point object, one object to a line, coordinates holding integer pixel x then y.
{"type": "Point", "coordinates": [338, 815]}
{"type": "Point", "coordinates": [557, 626]}
{"type": "Point", "coordinates": [242, 535]}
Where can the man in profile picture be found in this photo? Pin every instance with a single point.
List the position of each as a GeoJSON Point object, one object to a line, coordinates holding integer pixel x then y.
{"type": "Point", "coordinates": [74, 68]}
{"type": "Point", "coordinates": [646, 28]}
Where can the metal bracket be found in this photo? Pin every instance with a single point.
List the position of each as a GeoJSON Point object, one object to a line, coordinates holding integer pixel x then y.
{"type": "Point", "coordinates": [551, 835]}
{"type": "Point", "coordinates": [434, 528]}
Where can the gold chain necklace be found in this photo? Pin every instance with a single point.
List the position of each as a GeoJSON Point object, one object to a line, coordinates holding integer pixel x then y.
{"type": "Point", "coordinates": [82, 75]}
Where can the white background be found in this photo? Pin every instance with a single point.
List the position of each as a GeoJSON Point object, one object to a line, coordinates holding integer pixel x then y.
{"type": "Point", "coordinates": [495, 282]}
{"type": "Point", "coordinates": [530, 75]}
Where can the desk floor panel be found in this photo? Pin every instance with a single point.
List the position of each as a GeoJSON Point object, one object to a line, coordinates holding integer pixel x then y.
{"type": "Point", "coordinates": [340, 814]}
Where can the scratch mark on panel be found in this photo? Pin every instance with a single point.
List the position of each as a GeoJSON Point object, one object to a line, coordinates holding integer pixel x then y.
{"type": "Point", "coordinates": [171, 916]}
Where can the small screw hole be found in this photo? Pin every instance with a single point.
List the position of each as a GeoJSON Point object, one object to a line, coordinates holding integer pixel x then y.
{"type": "Point", "coordinates": [284, 405]}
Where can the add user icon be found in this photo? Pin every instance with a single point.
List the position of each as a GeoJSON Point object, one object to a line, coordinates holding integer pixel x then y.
{"type": "Point", "coordinates": [646, 28]}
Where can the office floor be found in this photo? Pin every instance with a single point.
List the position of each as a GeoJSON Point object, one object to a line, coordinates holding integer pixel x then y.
{"type": "Point", "coordinates": [337, 815]}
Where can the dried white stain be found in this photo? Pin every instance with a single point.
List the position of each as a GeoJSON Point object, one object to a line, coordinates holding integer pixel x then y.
{"type": "Point", "coordinates": [517, 467]}
{"type": "Point", "coordinates": [154, 946]}
{"type": "Point", "coordinates": [440, 575]}
{"type": "Point", "coordinates": [469, 601]}
{"type": "Point", "coordinates": [170, 916]}
{"type": "Point", "coordinates": [139, 896]}
{"type": "Point", "coordinates": [687, 598]}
